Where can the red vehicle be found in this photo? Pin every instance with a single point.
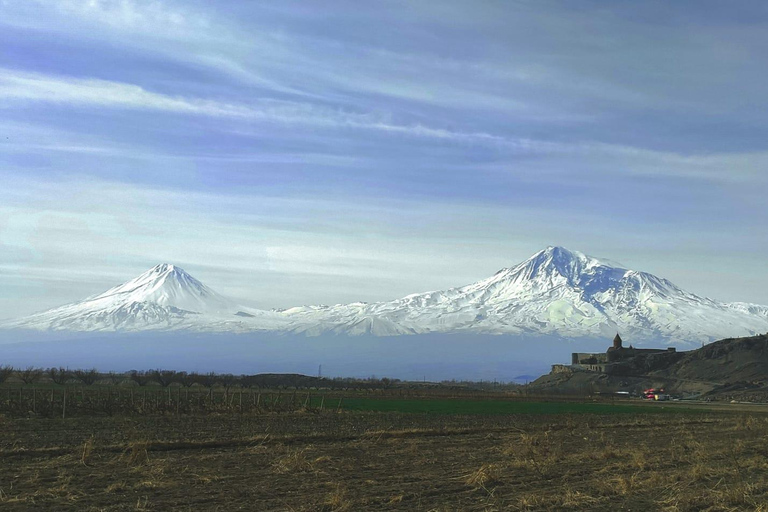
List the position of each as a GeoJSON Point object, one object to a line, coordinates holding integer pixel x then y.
{"type": "Point", "coordinates": [653, 393]}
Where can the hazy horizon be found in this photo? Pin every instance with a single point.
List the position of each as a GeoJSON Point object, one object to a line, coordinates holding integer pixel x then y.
{"type": "Point", "coordinates": [461, 356]}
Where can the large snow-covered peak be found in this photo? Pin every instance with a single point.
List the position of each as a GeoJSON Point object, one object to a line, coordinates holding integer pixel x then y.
{"type": "Point", "coordinates": [556, 291]}
{"type": "Point", "coordinates": [552, 269]}
{"type": "Point", "coordinates": [559, 261]}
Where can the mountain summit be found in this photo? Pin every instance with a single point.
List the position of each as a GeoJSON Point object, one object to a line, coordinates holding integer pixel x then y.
{"type": "Point", "coordinates": [168, 286]}
{"type": "Point", "coordinates": [555, 292]}
{"type": "Point", "coordinates": [163, 297]}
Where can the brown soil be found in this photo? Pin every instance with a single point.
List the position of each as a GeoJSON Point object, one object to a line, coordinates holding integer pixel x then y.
{"type": "Point", "coordinates": [303, 462]}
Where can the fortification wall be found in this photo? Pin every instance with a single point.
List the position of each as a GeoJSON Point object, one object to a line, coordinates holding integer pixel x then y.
{"type": "Point", "coordinates": [589, 358]}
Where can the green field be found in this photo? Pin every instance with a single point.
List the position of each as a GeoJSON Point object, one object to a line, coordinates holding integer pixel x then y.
{"type": "Point", "coordinates": [446, 406]}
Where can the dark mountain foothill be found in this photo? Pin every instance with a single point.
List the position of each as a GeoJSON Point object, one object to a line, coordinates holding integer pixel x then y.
{"type": "Point", "coordinates": [733, 368]}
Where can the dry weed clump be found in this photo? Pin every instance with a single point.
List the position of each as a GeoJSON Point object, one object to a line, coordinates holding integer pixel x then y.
{"type": "Point", "coordinates": [749, 423]}
{"type": "Point", "coordinates": [531, 501]}
{"type": "Point", "coordinates": [536, 452]}
{"type": "Point", "coordinates": [721, 496]}
{"type": "Point", "coordinates": [575, 499]}
{"type": "Point", "coordinates": [485, 475]}
{"type": "Point", "coordinates": [138, 453]}
{"type": "Point", "coordinates": [294, 461]}
{"type": "Point", "coordinates": [116, 487]}
{"type": "Point", "coordinates": [87, 450]}
{"type": "Point", "coordinates": [621, 485]}
{"type": "Point", "coordinates": [640, 457]}
{"type": "Point", "coordinates": [143, 503]}
{"type": "Point", "coordinates": [338, 500]}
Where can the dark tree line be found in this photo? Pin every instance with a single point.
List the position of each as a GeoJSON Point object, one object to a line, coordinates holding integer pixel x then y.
{"type": "Point", "coordinates": [228, 381]}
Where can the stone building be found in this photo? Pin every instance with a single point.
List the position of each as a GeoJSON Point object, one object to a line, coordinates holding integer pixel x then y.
{"type": "Point", "coordinates": [610, 361]}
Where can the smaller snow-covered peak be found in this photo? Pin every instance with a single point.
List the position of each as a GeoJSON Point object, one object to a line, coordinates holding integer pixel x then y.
{"type": "Point", "coordinates": [163, 297]}
{"type": "Point", "coordinates": [164, 268]}
{"type": "Point", "coordinates": [167, 285]}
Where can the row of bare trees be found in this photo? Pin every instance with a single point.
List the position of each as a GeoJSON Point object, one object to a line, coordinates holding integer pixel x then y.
{"type": "Point", "coordinates": [32, 375]}
{"type": "Point", "coordinates": [163, 378]}
{"type": "Point", "coordinates": [166, 378]}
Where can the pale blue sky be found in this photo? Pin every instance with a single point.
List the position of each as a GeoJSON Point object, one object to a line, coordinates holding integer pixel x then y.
{"type": "Point", "coordinates": [287, 154]}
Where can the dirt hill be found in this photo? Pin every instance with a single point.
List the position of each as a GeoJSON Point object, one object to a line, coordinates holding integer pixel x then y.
{"type": "Point", "coordinates": [734, 368]}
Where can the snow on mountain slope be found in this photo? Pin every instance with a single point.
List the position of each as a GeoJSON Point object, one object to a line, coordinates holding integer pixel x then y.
{"type": "Point", "coordinates": [555, 292]}
{"type": "Point", "coordinates": [164, 297]}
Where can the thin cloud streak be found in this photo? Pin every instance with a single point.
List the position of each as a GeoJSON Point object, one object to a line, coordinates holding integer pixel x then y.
{"type": "Point", "coordinates": [448, 140]}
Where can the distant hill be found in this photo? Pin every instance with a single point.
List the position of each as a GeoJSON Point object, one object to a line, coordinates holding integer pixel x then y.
{"type": "Point", "coordinates": [729, 360]}
{"type": "Point", "coordinates": [733, 366]}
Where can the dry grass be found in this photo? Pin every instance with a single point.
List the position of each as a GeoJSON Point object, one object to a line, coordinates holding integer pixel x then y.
{"type": "Point", "coordinates": [485, 475]}
{"type": "Point", "coordinates": [671, 463]}
{"type": "Point", "coordinates": [116, 487]}
{"type": "Point", "coordinates": [138, 453]}
{"type": "Point", "coordinates": [295, 461]}
{"type": "Point", "coordinates": [86, 452]}
{"type": "Point", "coordinates": [338, 500]}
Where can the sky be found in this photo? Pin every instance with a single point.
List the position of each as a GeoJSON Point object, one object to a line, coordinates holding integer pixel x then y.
{"type": "Point", "coordinates": [289, 153]}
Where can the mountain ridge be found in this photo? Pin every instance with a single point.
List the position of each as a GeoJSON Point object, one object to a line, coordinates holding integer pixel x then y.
{"type": "Point", "coordinates": [554, 292]}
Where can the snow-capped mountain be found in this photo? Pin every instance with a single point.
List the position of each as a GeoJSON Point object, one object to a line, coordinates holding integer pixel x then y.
{"type": "Point", "coordinates": [164, 297]}
{"type": "Point", "coordinates": [556, 292]}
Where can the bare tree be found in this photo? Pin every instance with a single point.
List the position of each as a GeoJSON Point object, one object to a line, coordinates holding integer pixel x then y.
{"type": "Point", "coordinates": [116, 378]}
{"type": "Point", "coordinates": [30, 375]}
{"type": "Point", "coordinates": [187, 379]}
{"type": "Point", "coordinates": [228, 381]}
{"type": "Point", "coordinates": [59, 375]}
{"type": "Point", "coordinates": [5, 372]}
{"type": "Point", "coordinates": [249, 381]}
{"type": "Point", "coordinates": [164, 377]}
{"type": "Point", "coordinates": [87, 377]}
{"type": "Point", "coordinates": [207, 380]}
{"type": "Point", "coordinates": [140, 378]}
